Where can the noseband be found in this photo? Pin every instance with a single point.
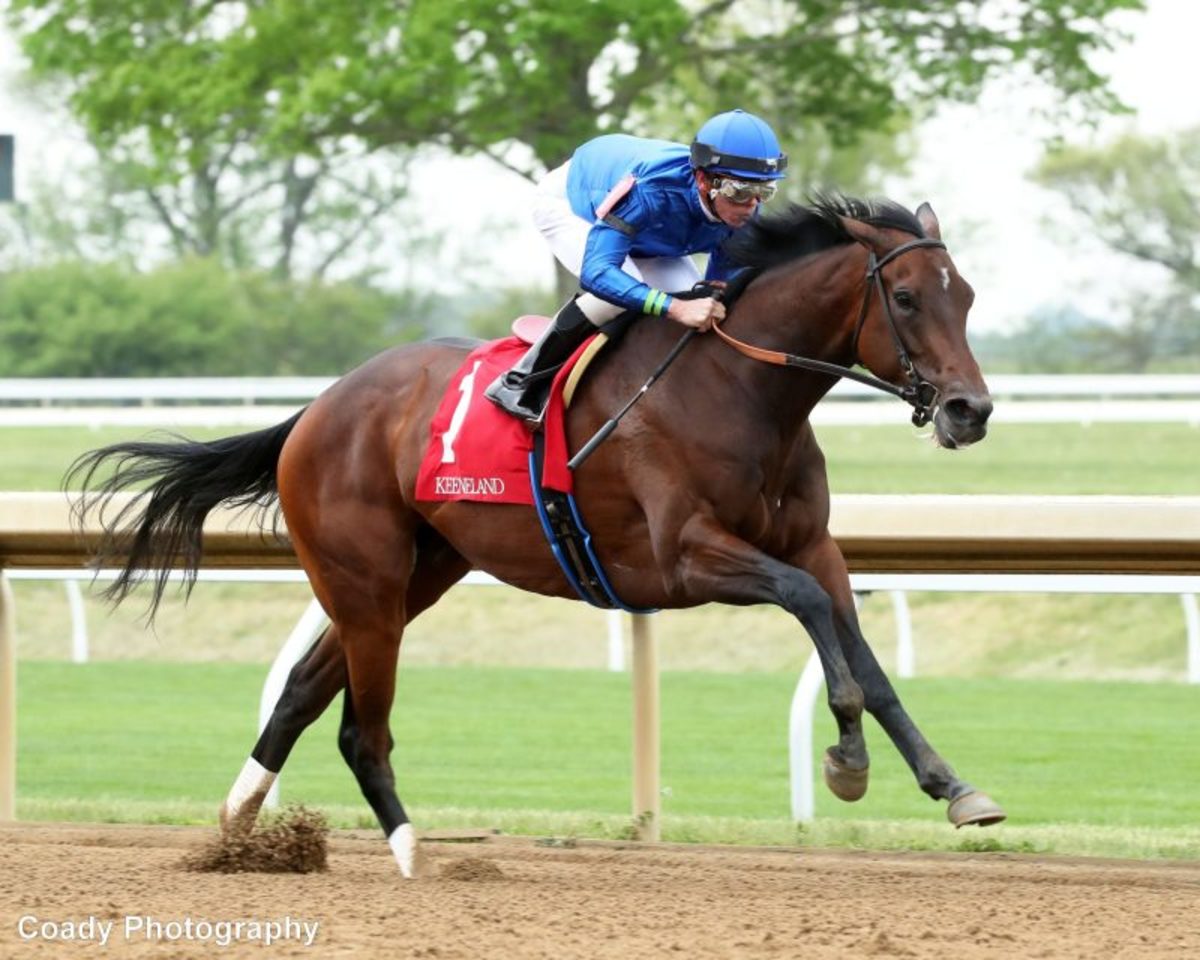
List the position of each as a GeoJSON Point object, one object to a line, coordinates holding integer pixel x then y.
{"type": "Point", "coordinates": [918, 392]}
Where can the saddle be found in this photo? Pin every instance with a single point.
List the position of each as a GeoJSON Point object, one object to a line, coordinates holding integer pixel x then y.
{"type": "Point", "coordinates": [477, 452]}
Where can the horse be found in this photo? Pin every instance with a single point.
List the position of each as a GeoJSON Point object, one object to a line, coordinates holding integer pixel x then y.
{"type": "Point", "coordinates": [712, 490]}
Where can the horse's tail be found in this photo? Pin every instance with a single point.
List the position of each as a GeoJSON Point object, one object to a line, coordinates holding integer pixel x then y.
{"type": "Point", "coordinates": [178, 483]}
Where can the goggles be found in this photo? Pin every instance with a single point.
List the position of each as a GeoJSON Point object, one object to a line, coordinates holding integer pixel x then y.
{"type": "Point", "coordinates": [744, 191]}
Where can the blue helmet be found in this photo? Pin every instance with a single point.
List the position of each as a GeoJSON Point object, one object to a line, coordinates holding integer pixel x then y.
{"type": "Point", "coordinates": [741, 145]}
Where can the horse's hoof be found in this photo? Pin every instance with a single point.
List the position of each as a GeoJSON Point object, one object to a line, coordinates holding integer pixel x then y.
{"type": "Point", "coordinates": [974, 808]}
{"type": "Point", "coordinates": [845, 784]}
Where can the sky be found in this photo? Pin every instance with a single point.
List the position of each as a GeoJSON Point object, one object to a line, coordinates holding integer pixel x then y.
{"type": "Point", "coordinates": [1018, 245]}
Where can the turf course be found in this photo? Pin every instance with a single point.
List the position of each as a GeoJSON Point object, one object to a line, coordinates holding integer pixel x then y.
{"type": "Point", "coordinates": [549, 750]}
{"type": "Point", "coordinates": [1081, 767]}
{"type": "Point", "coordinates": [1026, 458]}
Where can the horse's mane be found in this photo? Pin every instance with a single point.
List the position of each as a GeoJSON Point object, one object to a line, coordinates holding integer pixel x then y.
{"type": "Point", "coordinates": [803, 229]}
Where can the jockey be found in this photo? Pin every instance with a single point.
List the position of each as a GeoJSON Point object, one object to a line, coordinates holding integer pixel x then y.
{"type": "Point", "coordinates": [624, 214]}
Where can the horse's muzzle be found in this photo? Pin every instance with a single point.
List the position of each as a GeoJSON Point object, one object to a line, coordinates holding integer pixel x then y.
{"type": "Point", "coordinates": [961, 419]}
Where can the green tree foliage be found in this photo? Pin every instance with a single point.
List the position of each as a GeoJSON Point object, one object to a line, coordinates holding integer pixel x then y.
{"type": "Point", "coordinates": [1141, 197]}
{"type": "Point", "coordinates": [230, 120]}
{"type": "Point", "coordinates": [191, 318]}
{"type": "Point", "coordinates": [201, 178]}
{"type": "Point", "coordinates": [485, 75]}
{"type": "Point", "coordinates": [1140, 194]}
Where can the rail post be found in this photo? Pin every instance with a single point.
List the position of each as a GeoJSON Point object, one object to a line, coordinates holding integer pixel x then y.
{"type": "Point", "coordinates": [1191, 616]}
{"type": "Point", "coordinates": [647, 799]}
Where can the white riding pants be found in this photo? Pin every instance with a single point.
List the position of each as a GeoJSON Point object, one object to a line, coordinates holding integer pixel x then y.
{"type": "Point", "coordinates": [567, 235]}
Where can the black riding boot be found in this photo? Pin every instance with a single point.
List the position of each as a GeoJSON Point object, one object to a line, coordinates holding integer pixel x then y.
{"type": "Point", "coordinates": [524, 390]}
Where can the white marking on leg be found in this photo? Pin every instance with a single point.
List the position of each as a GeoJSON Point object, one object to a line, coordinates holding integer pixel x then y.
{"type": "Point", "coordinates": [404, 847]}
{"type": "Point", "coordinates": [254, 781]}
{"type": "Point", "coordinates": [945, 278]}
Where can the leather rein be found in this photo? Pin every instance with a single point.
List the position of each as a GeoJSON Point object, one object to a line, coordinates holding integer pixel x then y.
{"type": "Point", "coordinates": [918, 392]}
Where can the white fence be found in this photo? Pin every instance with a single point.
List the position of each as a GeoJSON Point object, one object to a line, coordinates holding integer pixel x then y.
{"type": "Point", "coordinates": [259, 401]}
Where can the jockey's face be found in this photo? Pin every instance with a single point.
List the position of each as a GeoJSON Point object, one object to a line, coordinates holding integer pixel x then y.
{"type": "Point", "coordinates": [732, 213]}
{"type": "Point", "coordinates": [735, 214]}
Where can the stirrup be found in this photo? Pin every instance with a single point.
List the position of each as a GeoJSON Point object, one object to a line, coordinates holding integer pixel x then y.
{"type": "Point", "coordinates": [511, 399]}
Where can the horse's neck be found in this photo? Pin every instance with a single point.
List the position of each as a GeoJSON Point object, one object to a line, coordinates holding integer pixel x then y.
{"type": "Point", "coordinates": [808, 308]}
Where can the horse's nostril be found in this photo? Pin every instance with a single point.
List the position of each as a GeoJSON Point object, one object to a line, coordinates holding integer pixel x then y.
{"type": "Point", "coordinates": [969, 410]}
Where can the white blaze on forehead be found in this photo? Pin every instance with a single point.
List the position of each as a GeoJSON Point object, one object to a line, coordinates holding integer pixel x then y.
{"type": "Point", "coordinates": [945, 278]}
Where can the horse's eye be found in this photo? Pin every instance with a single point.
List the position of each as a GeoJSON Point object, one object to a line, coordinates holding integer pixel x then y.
{"type": "Point", "coordinates": [904, 300]}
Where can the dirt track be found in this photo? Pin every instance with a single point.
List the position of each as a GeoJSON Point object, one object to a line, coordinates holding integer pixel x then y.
{"type": "Point", "coordinates": [510, 898]}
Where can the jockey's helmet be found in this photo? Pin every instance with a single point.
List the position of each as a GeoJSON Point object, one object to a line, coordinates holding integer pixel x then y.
{"type": "Point", "coordinates": [739, 144]}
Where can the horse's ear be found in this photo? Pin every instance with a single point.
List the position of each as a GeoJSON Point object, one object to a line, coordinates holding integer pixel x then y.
{"type": "Point", "coordinates": [870, 237]}
{"type": "Point", "coordinates": [929, 221]}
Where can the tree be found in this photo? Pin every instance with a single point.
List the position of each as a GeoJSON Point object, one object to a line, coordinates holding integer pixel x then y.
{"type": "Point", "coordinates": [1141, 197]}
{"type": "Point", "coordinates": [192, 318]}
{"type": "Point", "coordinates": [525, 82]}
{"type": "Point", "coordinates": [213, 104]}
{"type": "Point", "coordinates": [251, 215]}
{"type": "Point", "coordinates": [194, 182]}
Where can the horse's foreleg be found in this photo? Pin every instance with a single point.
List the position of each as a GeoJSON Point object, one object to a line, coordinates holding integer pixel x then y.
{"type": "Point", "coordinates": [934, 775]}
{"type": "Point", "coordinates": [716, 566]}
{"type": "Point", "coordinates": [311, 685]}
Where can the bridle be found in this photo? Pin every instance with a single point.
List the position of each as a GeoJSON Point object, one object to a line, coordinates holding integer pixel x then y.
{"type": "Point", "coordinates": [919, 392]}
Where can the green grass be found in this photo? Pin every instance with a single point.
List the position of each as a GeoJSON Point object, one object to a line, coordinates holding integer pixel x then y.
{"type": "Point", "coordinates": [1080, 767]}
{"type": "Point", "coordinates": [1026, 458]}
{"type": "Point", "coordinates": [36, 458]}
{"type": "Point", "coordinates": [1112, 458]}
{"type": "Point", "coordinates": [1088, 768]}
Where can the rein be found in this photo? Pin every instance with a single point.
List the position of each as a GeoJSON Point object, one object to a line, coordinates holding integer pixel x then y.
{"type": "Point", "coordinates": [919, 392]}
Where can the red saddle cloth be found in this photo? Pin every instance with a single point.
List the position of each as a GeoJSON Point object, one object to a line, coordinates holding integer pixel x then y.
{"type": "Point", "coordinates": [477, 451]}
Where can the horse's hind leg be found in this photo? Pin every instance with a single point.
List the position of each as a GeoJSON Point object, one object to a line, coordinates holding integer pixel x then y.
{"type": "Point", "coordinates": [316, 679]}
{"type": "Point", "coordinates": [372, 645]}
{"type": "Point", "coordinates": [364, 738]}
{"type": "Point", "coordinates": [311, 686]}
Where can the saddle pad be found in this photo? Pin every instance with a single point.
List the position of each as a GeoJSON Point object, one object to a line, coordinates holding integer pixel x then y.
{"type": "Point", "coordinates": [477, 451]}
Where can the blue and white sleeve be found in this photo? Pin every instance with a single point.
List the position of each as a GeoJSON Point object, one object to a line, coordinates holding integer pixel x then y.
{"type": "Point", "coordinates": [606, 250]}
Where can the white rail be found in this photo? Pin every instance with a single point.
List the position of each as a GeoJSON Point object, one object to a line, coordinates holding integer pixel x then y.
{"type": "Point", "coordinates": [68, 390]}
{"type": "Point", "coordinates": [260, 401]}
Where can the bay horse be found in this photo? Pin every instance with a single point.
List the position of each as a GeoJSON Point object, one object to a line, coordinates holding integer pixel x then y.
{"type": "Point", "coordinates": [713, 489]}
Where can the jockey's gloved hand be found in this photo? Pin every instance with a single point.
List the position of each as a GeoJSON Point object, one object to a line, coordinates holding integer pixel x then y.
{"type": "Point", "coordinates": [698, 314]}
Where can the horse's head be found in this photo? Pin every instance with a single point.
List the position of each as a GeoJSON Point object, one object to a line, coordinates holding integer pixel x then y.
{"type": "Point", "coordinates": [912, 328]}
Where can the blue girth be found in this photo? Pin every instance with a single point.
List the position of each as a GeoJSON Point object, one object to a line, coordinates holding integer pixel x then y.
{"type": "Point", "coordinates": [570, 541]}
